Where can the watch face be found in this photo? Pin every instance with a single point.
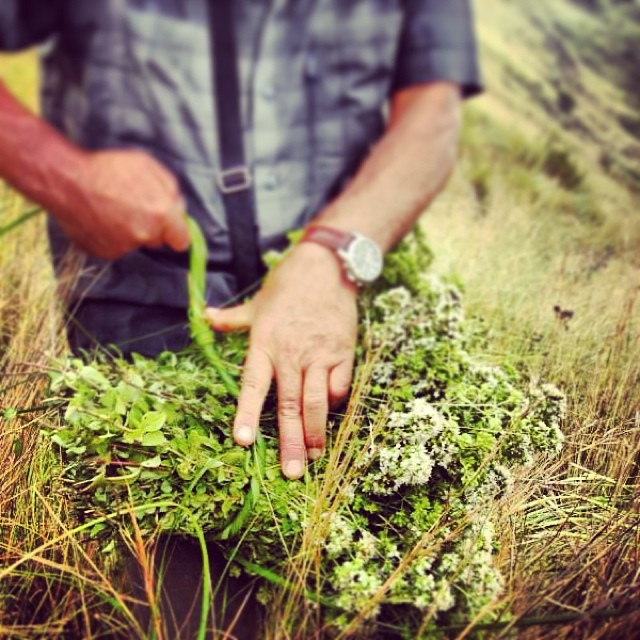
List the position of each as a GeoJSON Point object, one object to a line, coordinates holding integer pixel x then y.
{"type": "Point", "coordinates": [365, 259]}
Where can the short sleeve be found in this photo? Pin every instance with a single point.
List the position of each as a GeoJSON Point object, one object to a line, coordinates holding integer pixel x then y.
{"type": "Point", "coordinates": [438, 42]}
{"type": "Point", "coordinates": [25, 23]}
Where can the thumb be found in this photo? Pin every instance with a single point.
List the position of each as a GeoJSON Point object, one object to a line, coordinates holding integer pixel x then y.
{"type": "Point", "coordinates": [176, 231]}
{"type": "Point", "coordinates": [233, 319]}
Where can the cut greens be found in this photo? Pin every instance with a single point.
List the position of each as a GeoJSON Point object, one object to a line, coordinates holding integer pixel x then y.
{"type": "Point", "coordinates": [390, 532]}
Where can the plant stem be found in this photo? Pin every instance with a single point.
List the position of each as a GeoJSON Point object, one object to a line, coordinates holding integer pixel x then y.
{"type": "Point", "coordinates": [201, 333]}
{"type": "Point", "coordinates": [19, 220]}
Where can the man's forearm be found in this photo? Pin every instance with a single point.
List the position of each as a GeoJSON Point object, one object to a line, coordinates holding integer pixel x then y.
{"type": "Point", "coordinates": [34, 158]}
{"type": "Point", "coordinates": [406, 169]}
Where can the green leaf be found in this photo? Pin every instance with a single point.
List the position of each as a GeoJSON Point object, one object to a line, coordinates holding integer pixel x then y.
{"type": "Point", "coordinates": [109, 547]}
{"type": "Point", "coordinates": [93, 377]}
{"type": "Point", "coordinates": [152, 463]}
{"type": "Point", "coordinates": [97, 528]}
{"type": "Point", "coordinates": [153, 439]}
{"type": "Point", "coordinates": [59, 440]}
{"type": "Point", "coordinates": [152, 421]}
{"type": "Point", "coordinates": [127, 393]}
{"type": "Point", "coordinates": [78, 451]}
{"type": "Point", "coordinates": [166, 487]}
{"type": "Point", "coordinates": [17, 446]}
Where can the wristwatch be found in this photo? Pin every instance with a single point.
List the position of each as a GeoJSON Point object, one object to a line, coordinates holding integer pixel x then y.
{"type": "Point", "coordinates": [360, 256]}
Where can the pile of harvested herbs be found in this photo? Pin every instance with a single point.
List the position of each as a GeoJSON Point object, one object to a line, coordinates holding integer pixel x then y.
{"type": "Point", "coordinates": [391, 530]}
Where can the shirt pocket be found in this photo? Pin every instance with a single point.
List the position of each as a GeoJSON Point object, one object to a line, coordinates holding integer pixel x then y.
{"type": "Point", "coordinates": [349, 66]}
{"type": "Point", "coordinates": [145, 74]}
{"type": "Point", "coordinates": [353, 48]}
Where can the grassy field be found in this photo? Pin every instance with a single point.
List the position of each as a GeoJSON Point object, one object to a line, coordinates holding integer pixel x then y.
{"type": "Point", "coordinates": [540, 225]}
{"type": "Point", "coordinates": [546, 243]}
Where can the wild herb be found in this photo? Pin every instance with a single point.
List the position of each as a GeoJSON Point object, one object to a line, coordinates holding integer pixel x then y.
{"type": "Point", "coordinates": [404, 540]}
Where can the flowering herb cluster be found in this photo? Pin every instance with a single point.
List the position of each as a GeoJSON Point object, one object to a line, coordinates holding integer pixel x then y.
{"type": "Point", "coordinates": [408, 543]}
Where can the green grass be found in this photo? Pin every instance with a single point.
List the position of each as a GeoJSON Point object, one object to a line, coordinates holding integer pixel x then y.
{"type": "Point", "coordinates": [540, 225]}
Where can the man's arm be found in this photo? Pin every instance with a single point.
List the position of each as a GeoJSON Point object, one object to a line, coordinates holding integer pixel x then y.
{"type": "Point", "coordinates": [407, 168]}
{"type": "Point", "coordinates": [303, 321]}
{"type": "Point", "coordinates": [108, 202]}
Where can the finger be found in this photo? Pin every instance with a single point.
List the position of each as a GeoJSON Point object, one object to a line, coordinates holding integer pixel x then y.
{"type": "Point", "coordinates": [238, 318]}
{"type": "Point", "coordinates": [292, 449]}
{"type": "Point", "coordinates": [340, 382]}
{"type": "Point", "coordinates": [314, 411]}
{"type": "Point", "coordinates": [176, 231]}
{"type": "Point", "coordinates": [256, 380]}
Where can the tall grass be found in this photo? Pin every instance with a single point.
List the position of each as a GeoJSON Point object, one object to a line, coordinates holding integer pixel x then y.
{"type": "Point", "coordinates": [558, 294]}
{"type": "Point", "coordinates": [56, 585]}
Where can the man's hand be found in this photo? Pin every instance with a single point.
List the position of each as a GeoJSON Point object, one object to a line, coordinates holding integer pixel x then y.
{"type": "Point", "coordinates": [108, 202]}
{"type": "Point", "coordinates": [123, 200]}
{"type": "Point", "coordinates": [303, 323]}
{"type": "Point", "coordinates": [303, 326]}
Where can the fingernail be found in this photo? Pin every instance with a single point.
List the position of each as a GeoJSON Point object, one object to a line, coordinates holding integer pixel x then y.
{"type": "Point", "coordinates": [244, 435]}
{"type": "Point", "coordinates": [294, 469]}
{"type": "Point", "coordinates": [315, 454]}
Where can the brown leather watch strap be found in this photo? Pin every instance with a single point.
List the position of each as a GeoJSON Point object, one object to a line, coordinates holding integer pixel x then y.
{"type": "Point", "coordinates": [328, 237]}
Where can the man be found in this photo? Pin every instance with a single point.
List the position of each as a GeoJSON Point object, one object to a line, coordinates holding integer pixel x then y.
{"type": "Point", "coordinates": [128, 142]}
{"type": "Point", "coordinates": [131, 138]}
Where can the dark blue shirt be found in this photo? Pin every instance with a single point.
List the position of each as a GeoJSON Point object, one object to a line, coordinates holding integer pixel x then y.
{"type": "Point", "coordinates": [315, 77]}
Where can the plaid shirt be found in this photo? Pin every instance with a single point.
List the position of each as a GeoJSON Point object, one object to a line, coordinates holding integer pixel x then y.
{"type": "Point", "coordinates": [315, 77]}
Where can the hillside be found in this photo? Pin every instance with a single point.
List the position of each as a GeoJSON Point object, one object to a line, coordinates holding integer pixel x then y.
{"type": "Point", "coordinates": [549, 165]}
{"type": "Point", "coordinates": [540, 226]}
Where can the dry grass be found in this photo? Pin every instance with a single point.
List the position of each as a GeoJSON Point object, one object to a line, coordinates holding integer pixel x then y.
{"type": "Point", "coordinates": [559, 293]}
{"type": "Point", "coordinates": [554, 274]}
{"type": "Point", "coordinates": [51, 585]}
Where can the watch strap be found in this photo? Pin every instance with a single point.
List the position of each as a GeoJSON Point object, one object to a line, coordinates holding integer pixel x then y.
{"type": "Point", "coordinates": [328, 237]}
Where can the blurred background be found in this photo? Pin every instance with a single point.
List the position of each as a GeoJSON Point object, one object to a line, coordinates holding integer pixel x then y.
{"type": "Point", "coordinates": [541, 226]}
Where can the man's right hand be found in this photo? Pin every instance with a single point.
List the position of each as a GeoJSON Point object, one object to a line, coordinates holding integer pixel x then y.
{"type": "Point", "coordinates": [108, 202]}
{"type": "Point", "coordinates": [122, 200]}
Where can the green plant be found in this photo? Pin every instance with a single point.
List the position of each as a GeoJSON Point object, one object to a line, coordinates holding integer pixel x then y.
{"type": "Point", "coordinates": [404, 539]}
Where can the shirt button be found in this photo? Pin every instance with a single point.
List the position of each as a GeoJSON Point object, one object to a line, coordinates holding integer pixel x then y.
{"type": "Point", "coordinates": [268, 92]}
{"type": "Point", "coordinates": [271, 181]}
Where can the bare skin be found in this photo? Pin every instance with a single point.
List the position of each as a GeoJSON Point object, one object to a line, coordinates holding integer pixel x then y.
{"type": "Point", "coordinates": [108, 202]}
{"type": "Point", "coordinates": [303, 322]}
{"type": "Point", "coordinates": [303, 326]}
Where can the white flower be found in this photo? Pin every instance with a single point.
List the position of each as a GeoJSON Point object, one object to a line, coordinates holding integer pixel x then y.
{"type": "Point", "coordinates": [551, 391]}
{"type": "Point", "coordinates": [394, 301]}
{"type": "Point", "coordinates": [355, 586]}
{"type": "Point", "coordinates": [367, 545]}
{"type": "Point", "coordinates": [383, 373]}
{"type": "Point", "coordinates": [340, 536]}
{"type": "Point", "coordinates": [443, 598]}
{"type": "Point", "coordinates": [398, 466]}
{"type": "Point", "coordinates": [348, 491]}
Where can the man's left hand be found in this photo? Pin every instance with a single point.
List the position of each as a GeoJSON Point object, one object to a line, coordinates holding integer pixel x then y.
{"type": "Point", "coordinates": [303, 328]}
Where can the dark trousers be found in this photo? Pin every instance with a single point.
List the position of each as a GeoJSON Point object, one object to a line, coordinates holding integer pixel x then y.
{"type": "Point", "coordinates": [177, 583]}
{"type": "Point", "coordinates": [98, 324]}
